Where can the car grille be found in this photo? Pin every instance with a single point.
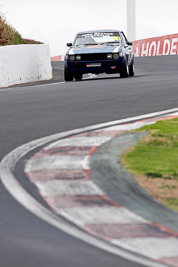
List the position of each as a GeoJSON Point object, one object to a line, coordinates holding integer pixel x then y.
{"type": "Point", "coordinates": [90, 57]}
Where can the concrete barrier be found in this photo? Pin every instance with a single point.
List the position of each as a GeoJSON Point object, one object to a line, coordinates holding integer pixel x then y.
{"type": "Point", "coordinates": [24, 64]}
{"type": "Point", "coordinates": [157, 46]}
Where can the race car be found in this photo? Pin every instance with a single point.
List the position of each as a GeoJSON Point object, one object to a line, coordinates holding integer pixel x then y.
{"type": "Point", "coordinates": [100, 51]}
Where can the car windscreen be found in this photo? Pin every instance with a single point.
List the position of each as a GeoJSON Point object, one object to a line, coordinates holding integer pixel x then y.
{"type": "Point", "coordinates": [97, 38]}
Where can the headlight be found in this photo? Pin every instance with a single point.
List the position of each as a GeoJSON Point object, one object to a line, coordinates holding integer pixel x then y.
{"type": "Point", "coordinates": [109, 56]}
{"type": "Point", "coordinates": [120, 54]}
{"type": "Point", "coordinates": [78, 57]}
{"type": "Point", "coordinates": [66, 56]}
{"type": "Point", "coordinates": [72, 58]}
{"type": "Point", "coordinates": [115, 56]}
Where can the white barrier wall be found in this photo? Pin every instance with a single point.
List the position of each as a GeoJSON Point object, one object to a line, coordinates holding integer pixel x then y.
{"type": "Point", "coordinates": [24, 64]}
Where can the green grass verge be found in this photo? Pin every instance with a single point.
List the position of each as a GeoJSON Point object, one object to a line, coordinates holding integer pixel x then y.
{"type": "Point", "coordinates": [156, 155]}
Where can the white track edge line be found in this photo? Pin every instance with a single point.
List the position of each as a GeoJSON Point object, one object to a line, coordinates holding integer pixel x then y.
{"type": "Point", "coordinates": [12, 88]}
{"type": "Point", "coordinates": [18, 87]}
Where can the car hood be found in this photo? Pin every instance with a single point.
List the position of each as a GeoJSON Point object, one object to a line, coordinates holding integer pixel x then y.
{"type": "Point", "coordinates": [94, 49]}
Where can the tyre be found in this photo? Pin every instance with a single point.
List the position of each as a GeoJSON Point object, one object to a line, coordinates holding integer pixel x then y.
{"type": "Point", "coordinates": [124, 73]}
{"type": "Point", "coordinates": [78, 76]}
{"type": "Point", "coordinates": [132, 70]}
{"type": "Point", "coordinates": [68, 76]}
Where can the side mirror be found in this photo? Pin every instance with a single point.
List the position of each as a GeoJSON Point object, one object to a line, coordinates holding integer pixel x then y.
{"type": "Point", "coordinates": [129, 43]}
{"type": "Point", "coordinates": [69, 44]}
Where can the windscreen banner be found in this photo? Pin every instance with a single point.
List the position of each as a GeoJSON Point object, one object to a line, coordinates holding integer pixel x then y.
{"type": "Point", "coordinates": [157, 46]}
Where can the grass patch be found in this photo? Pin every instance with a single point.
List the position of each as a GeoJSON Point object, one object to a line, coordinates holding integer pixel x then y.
{"type": "Point", "coordinates": [168, 187]}
{"type": "Point", "coordinates": [8, 35]}
{"type": "Point", "coordinates": [156, 157]}
{"type": "Point", "coordinates": [172, 203]}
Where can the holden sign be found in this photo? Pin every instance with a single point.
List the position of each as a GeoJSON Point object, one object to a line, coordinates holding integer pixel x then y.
{"type": "Point", "coordinates": [164, 45]}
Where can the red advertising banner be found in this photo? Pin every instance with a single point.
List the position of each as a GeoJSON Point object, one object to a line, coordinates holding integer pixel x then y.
{"type": "Point", "coordinates": [163, 45]}
{"type": "Point", "coordinates": [56, 58]}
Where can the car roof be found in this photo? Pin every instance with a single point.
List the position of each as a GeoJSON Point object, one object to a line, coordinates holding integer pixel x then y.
{"type": "Point", "coordinates": [98, 31]}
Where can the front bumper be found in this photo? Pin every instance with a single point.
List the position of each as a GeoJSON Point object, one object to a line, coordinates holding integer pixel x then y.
{"type": "Point", "coordinates": [103, 66]}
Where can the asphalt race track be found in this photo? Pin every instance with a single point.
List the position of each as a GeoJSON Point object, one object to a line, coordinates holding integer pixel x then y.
{"type": "Point", "coordinates": [41, 109]}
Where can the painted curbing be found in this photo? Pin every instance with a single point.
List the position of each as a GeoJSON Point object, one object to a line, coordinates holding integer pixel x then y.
{"type": "Point", "coordinates": [96, 201]}
{"type": "Point", "coordinates": [84, 203]}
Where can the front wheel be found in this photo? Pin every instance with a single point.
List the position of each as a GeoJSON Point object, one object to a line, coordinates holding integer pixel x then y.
{"type": "Point", "coordinates": [125, 70]}
{"type": "Point", "coordinates": [132, 70]}
{"type": "Point", "coordinates": [68, 76]}
{"type": "Point", "coordinates": [78, 76]}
